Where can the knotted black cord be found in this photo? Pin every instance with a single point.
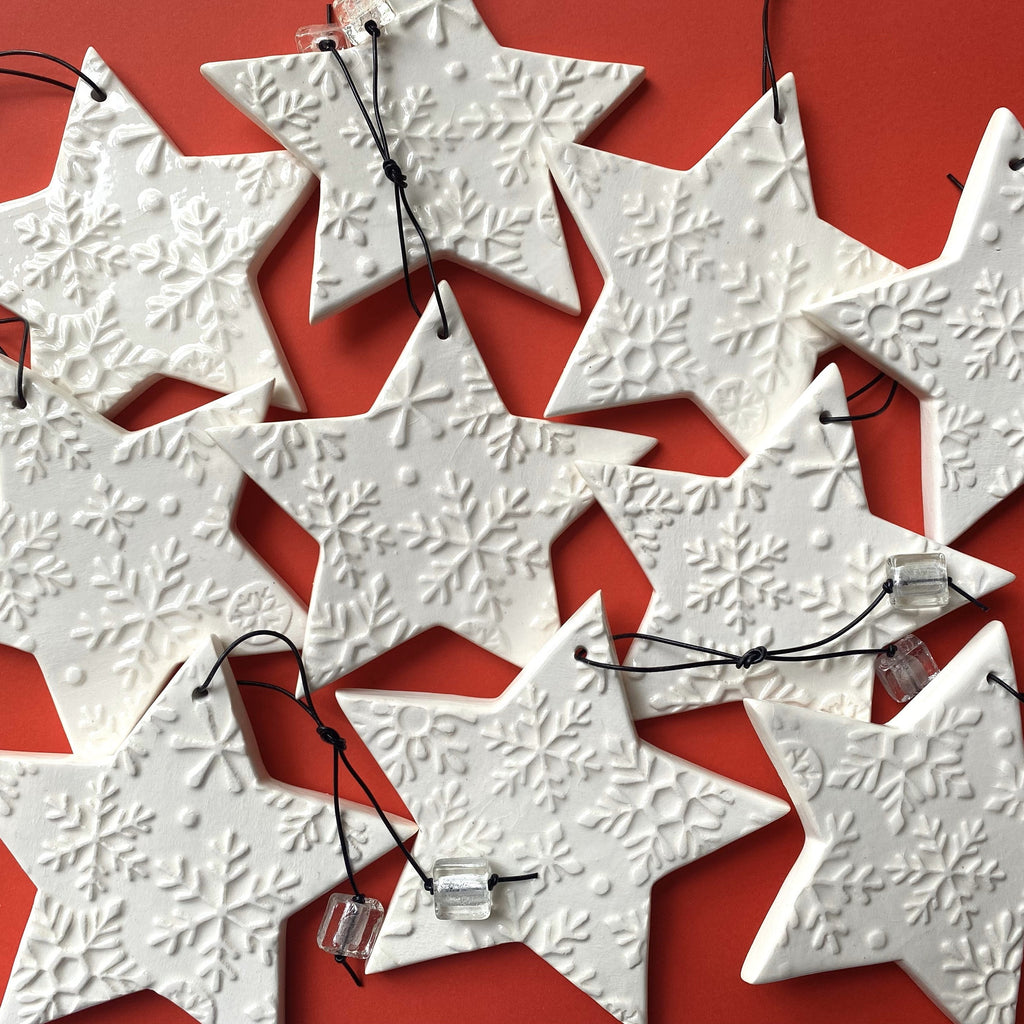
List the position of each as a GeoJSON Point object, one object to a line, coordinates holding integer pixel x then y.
{"type": "Point", "coordinates": [98, 94]}
{"type": "Point", "coordinates": [826, 417]}
{"type": "Point", "coordinates": [757, 655]}
{"type": "Point", "coordinates": [767, 67]}
{"type": "Point", "coordinates": [19, 397]}
{"type": "Point", "coordinates": [392, 171]}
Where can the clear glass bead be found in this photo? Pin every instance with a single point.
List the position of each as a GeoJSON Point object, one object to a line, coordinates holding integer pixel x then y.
{"type": "Point", "coordinates": [307, 38]}
{"type": "Point", "coordinates": [908, 671]}
{"type": "Point", "coordinates": [919, 581]}
{"type": "Point", "coordinates": [350, 927]}
{"type": "Point", "coordinates": [461, 892]}
{"type": "Point", "coordinates": [352, 16]}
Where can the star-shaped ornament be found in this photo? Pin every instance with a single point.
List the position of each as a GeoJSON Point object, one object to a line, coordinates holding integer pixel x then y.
{"type": "Point", "coordinates": [953, 332]}
{"type": "Point", "coordinates": [706, 274]}
{"type": "Point", "coordinates": [437, 507]}
{"type": "Point", "coordinates": [171, 865]}
{"type": "Point", "coordinates": [549, 777]}
{"type": "Point", "coordinates": [465, 119]}
{"type": "Point", "coordinates": [914, 831]}
{"type": "Point", "coordinates": [784, 552]}
{"type": "Point", "coordinates": [118, 551]}
{"type": "Point", "coordinates": [137, 262]}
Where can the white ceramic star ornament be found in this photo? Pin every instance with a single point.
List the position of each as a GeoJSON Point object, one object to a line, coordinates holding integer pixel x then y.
{"type": "Point", "coordinates": [783, 552]}
{"type": "Point", "coordinates": [171, 865]}
{"type": "Point", "coordinates": [435, 508]}
{"type": "Point", "coordinates": [953, 332]}
{"type": "Point", "coordinates": [706, 273]}
{"type": "Point", "coordinates": [914, 831]}
{"type": "Point", "coordinates": [465, 118]}
{"type": "Point", "coordinates": [118, 551]}
{"type": "Point", "coordinates": [137, 262]}
{"type": "Point", "coordinates": [549, 777]}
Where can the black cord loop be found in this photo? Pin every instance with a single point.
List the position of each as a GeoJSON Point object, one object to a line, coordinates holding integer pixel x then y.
{"type": "Point", "coordinates": [19, 388]}
{"type": "Point", "coordinates": [393, 172]}
{"type": "Point", "coordinates": [757, 655]}
{"type": "Point", "coordinates": [768, 68]}
{"type": "Point", "coordinates": [826, 417]}
{"type": "Point", "coordinates": [98, 94]}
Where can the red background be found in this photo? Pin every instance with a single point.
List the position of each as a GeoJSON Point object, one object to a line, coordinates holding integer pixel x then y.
{"type": "Point", "coordinates": [893, 95]}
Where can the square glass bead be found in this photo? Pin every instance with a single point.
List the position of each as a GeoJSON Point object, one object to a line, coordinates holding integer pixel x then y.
{"type": "Point", "coordinates": [349, 928]}
{"type": "Point", "coordinates": [919, 581]}
{"type": "Point", "coordinates": [461, 892]}
{"type": "Point", "coordinates": [352, 16]}
{"type": "Point", "coordinates": [908, 671]}
{"type": "Point", "coordinates": [307, 38]}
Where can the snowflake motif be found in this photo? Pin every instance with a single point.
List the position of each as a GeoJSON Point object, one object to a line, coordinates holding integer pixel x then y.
{"type": "Point", "coordinates": [945, 871]}
{"type": "Point", "coordinates": [661, 814]}
{"type": "Point", "coordinates": [995, 328]}
{"type": "Point", "coordinates": [769, 317]}
{"type": "Point", "coordinates": [342, 521]}
{"type": "Point", "coordinates": [193, 999]}
{"type": "Point", "coordinates": [549, 854]}
{"type": "Point", "coordinates": [83, 143]}
{"type": "Point", "coordinates": [109, 513]}
{"type": "Point", "coordinates": [567, 497]}
{"type": "Point", "coordinates": [959, 427]}
{"type": "Point", "coordinates": [904, 770]}
{"type": "Point", "coordinates": [10, 784]}
{"type": "Point", "coordinates": [96, 837]}
{"type": "Point", "coordinates": [836, 468]}
{"type": "Point", "coordinates": [223, 751]}
{"type": "Point", "coordinates": [90, 353]}
{"type": "Point", "coordinates": [257, 606]}
{"type": "Point", "coordinates": [225, 910]}
{"type": "Point", "coordinates": [342, 633]}
{"type": "Point", "coordinates": [28, 568]}
{"type": "Point", "coordinates": [477, 230]}
{"type": "Point", "coordinates": [890, 320]}
{"type": "Point", "coordinates": [984, 972]}
{"type": "Point", "coordinates": [182, 441]}
{"type": "Point", "coordinates": [477, 544]}
{"type": "Point", "coordinates": [72, 960]}
{"type": "Point", "coordinates": [634, 349]}
{"type": "Point", "coordinates": [445, 815]}
{"type": "Point", "coordinates": [542, 748]}
{"type": "Point", "coordinates": [45, 431]}
{"type": "Point", "coordinates": [418, 736]}
{"type": "Point", "coordinates": [740, 405]}
{"type": "Point", "coordinates": [737, 574]}
{"type": "Point", "coordinates": [441, 11]}
{"type": "Point", "coordinates": [293, 114]}
{"type": "Point", "coordinates": [1008, 791]}
{"type": "Point", "coordinates": [701, 687]}
{"type": "Point", "coordinates": [276, 444]}
{"type": "Point", "coordinates": [72, 243]}
{"type": "Point", "coordinates": [204, 271]}
{"type": "Point", "coordinates": [630, 931]}
{"type": "Point", "coordinates": [409, 401]}
{"type": "Point", "coordinates": [304, 825]}
{"type": "Point", "coordinates": [837, 883]}
{"type": "Point", "coordinates": [666, 237]}
{"type": "Point", "coordinates": [345, 215]}
{"type": "Point", "coordinates": [148, 611]}
{"type": "Point", "coordinates": [787, 167]}
{"type": "Point", "coordinates": [154, 151]}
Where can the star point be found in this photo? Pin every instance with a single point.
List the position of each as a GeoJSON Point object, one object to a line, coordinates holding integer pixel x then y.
{"type": "Point", "coordinates": [465, 119]}
{"type": "Point", "coordinates": [952, 331]}
{"type": "Point", "coordinates": [138, 262]}
{"type": "Point", "coordinates": [913, 833]}
{"type": "Point", "coordinates": [548, 777]}
{"type": "Point", "coordinates": [118, 551]}
{"type": "Point", "coordinates": [171, 864]}
{"type": "Point", "coordinates": [706, 273]}
{"type": "Point", "coordinates": [435, 507]}
{"type": "Point", "coordinates": [783, 552]}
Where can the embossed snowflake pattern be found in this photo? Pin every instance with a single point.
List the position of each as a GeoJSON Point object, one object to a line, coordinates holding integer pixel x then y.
{"type": "Point", "coordinates": [707, 273]}
{"type": "Point", "coordinates": [46, 434]}
{"type": "Point", "coordinates": [994, 328]}
{"type": "Point", "coordinates": [469, 142]}
{"type": "Point", "coordinates": [29, 569]}
{"type": "Point", "coordinates": [549, 777]}
{"type": "Point", "coordinates": [982, 974]}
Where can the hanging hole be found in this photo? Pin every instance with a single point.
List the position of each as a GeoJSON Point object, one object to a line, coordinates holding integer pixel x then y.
{"type": "Point", "coordinates": [327, 44]}
{"type": "Point", "coordinates": [99, 95]}
{"type": "Point", "coordinates": [443, 334]}
{"type": "Point", "coordinates": [1017, 163]}
{"type": "Point", "coordinates": [825, 417]}
{"type": "Point", "coordinates": [200, 694]}
{"type": "Point", "coordinates": [580, 653]}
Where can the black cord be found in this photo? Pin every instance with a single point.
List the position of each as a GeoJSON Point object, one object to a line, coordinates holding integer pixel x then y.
{"type": "Point", "coordinates": [393, 172]}
{"type": "Point", "coordinates": [993, 678]}
{"type": "Point", "coordinates": [826, 417]}
{"type": "Point", "coordinates": [98, 94]}
{"type": "Point", "coordinates": [19, 397]}
{"type": "Point", "coordinates": [956, 182]}
{"type": "Point", "coordinates": [767, 67]}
